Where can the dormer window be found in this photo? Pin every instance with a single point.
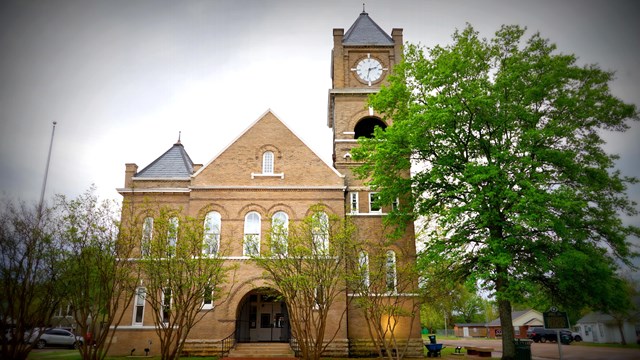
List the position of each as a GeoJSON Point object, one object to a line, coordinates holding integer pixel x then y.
{"type": "Point", "coordinates": [267, 162]}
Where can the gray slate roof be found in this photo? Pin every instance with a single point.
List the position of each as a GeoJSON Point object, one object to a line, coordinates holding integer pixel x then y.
{"type": "Point", "coordinates": [174, 163]}
{"type": "Point", "coordinates": [365, 31]}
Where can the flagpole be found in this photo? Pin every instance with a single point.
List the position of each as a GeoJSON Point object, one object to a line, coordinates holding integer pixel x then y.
{"type": "Point", "coordinates": [46, 170]}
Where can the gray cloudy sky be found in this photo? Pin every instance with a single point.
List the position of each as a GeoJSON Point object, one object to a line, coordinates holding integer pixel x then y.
{"type": "Point", "coordinates": [122, 78]}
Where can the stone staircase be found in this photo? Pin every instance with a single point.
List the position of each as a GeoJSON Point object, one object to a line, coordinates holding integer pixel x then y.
{"type": "Point", "coordinates": [261, 350]}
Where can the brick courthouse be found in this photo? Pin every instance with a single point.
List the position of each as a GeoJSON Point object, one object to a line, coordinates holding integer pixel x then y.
{"type": "Point", "coordinates": [269, 172]}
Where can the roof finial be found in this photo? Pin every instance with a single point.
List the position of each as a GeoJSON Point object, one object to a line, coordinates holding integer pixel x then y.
{"type": "Point", "coordinates": [363, 11]}
{"type": "Point", "coordinates": [179, 136]}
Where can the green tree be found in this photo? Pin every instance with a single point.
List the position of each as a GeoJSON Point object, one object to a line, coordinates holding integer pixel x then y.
{"type": "Point", "coordinates": [308, 264]}
{"type": "Point", "coordinates": [509, 169]}
{"type": "Point", "coordinates": [30, 255]}
{"type": "Point", "coordinates": [180, 277]}
{"type": "Point", "coordinates": [97, 275]}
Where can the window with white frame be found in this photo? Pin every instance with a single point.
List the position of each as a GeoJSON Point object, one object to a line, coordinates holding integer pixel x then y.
{"type": "Point", "coordinates": [251, 246]}
{"type": "Point", "coordinates": [166, 305]}
{"type": "Point", "coordinates": [391, 272]}
{"type": "Point", "coordinates": [267, 162]}
{"type": "Point", "coordinates": [320, 233]}
{"type": "Point", "coordinates": [354, 202]}
{"type": "Point", "coordinates": [374, 207]}
{"type": "Point", "coordinates": [279, 233]}
{"type": "Point", "coordinates": [172, 236]}
{"type": "Point", "coordinates": [207, 302]}
{"type": "Point", "coordinates": [147, 235]}
{"type": "Point", "coordinates": [363, 264]}
{"type": "Point", "coordinates": [212, 225]}
{"type": "Point", "coordinates": [138, 311]}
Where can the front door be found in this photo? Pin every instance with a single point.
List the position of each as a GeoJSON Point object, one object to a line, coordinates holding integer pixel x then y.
{"type": "Point", "coordinates": [262, 317]}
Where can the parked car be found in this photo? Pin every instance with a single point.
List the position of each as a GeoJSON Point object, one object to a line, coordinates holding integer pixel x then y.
{"type": "Point", "coordinates": [56, 337]}
{"type": "Point", "coordinates": [576, 336]}
{"type": "Point", "coordinates": [540, 334]}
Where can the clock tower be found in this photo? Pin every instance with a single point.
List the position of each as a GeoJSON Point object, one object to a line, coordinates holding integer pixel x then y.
{"type": "Point", "coordinates": [361, 60]}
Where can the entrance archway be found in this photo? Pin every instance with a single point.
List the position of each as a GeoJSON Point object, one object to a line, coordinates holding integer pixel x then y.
{"type": "Point", "coordinates": [262, 317]}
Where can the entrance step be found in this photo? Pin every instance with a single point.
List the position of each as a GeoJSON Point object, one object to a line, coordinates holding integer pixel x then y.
{"type": "Point", "coordinates": [261, 350]}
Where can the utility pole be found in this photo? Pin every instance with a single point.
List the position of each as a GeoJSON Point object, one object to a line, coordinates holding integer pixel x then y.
{"type": "Point", "coordinates": [46, 171]}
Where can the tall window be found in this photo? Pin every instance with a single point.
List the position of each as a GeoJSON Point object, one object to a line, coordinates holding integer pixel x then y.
{"type": "Point", "coordinates": [172, 236]}
{"type": "Point", "coordinates": [166, 305]}
{"type": "Point", "coordinates": [212, 225]}
{"type": "Point", "coordinates": [279, 232]}
{"type": "Point", "coordinates": [138, 311]}
{"type": "Point", "coordinates": [267, 162]}
{"type": "Point", "coordinates": [251, 234]}
{"type": "Point", "coordinates": [147, 234]}
{"type": "Point", "coordinates": [320, 233]}
{"type": "Point", "coordinates": [391, 273]}
{"type": "Point", "coordinates": [363, 263]}
{"type": "Point", "coordinates": [374, 207]}
{"type": "Point", "coordinates": [354, 202]}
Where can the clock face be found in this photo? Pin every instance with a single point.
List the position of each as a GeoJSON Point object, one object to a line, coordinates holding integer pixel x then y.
{"type": "Point", "coordinates": [369, 70]}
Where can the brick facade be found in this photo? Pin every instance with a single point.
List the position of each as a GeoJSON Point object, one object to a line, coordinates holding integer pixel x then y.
{"type": "Point", "coordinates": [233, 184]}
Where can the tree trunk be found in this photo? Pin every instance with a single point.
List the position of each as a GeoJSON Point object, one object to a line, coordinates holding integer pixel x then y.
{"type": "Point", "coordinates": [621, 329]}
{"type": "Point", "coordinates": [506, 323]}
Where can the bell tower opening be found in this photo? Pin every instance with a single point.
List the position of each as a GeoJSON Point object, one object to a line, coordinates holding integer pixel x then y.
{"type": "Point", "coordinates": [365, 127]}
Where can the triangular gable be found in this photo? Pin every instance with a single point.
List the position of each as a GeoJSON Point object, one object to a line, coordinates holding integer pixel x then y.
{"type": "Point", "coordinates": [175, 163]}
{"type": "Point", "coordinates": [239, 164]}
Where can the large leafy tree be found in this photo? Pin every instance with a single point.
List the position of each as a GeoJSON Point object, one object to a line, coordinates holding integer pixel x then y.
{"type": "Point", "coordinates": [505, 139]}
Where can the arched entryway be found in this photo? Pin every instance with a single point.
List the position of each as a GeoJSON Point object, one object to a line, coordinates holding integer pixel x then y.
{"type": "Point", "coordinates": [262, 317]}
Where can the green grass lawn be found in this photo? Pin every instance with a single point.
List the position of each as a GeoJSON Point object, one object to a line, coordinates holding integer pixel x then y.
{"type": "Point", "coordinates": [63, 354]}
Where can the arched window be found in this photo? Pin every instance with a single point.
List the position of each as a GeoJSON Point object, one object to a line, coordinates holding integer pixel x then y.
{"type": "Point", "coordinates": [147, 235]}
{"type": "Point", "coordinates": [391, 273]}
{"type": "Point", "coordinates": [267, 162]}
{"type": "Point", "coordinates": [279, 233]}
{"type": "Point", "coordinates": [251, 244]}
{"type": "Point", "coordinates": [320, 233]}
{"type": "Point", "coordinates": [212, 225]}
{"type": "Point", "coordinates": [363, 264]}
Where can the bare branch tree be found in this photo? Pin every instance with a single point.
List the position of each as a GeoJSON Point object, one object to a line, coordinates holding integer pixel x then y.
{"type": "Point", "coordinates": [29, 272]}
{"type": "Point", "coordinates": [97, 271]}
{"type": "Point", "coordinates": [307, 265]}
{"type": "Point", "coordinates": [179, 277]}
